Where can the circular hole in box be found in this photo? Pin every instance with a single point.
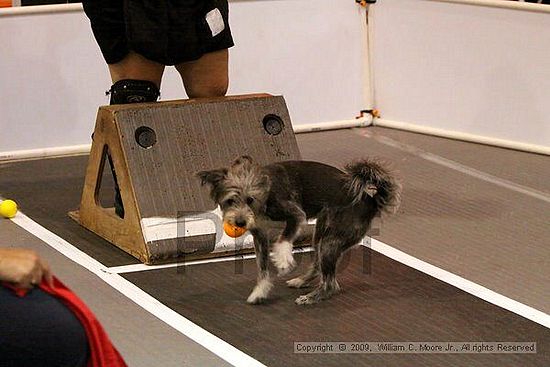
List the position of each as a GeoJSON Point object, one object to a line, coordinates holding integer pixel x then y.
{"type": "Point", "coordinates": [145, 137]}
{"type": "Point", "coordinates": [273, 124]}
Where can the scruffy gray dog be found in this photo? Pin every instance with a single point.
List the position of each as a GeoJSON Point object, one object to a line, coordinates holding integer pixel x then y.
{"type": "Point", "coordinates": [344, 203]}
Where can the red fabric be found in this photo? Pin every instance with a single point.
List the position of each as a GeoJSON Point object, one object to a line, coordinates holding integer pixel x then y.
{"type": "Point", "coordinates": [102, 351]}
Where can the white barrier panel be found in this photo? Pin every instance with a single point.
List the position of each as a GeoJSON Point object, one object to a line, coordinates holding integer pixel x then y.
{"type": "Point", "coordinates": [53, 78]}
{"type": "Point", "coordinates": [471, 68]}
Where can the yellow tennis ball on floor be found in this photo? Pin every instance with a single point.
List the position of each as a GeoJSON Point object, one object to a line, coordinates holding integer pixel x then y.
{"type": "Point", "coordinates": [8, 208]}
{"type": "Point", "coordinates": [233, 231]}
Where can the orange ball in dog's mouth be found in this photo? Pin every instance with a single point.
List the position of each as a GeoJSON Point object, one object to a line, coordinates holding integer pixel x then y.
{"type": "Point", "coordinates": [233, 231]}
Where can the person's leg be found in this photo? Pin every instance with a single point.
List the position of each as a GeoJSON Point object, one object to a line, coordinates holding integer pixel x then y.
{"type": "Point", "coordinates": [132, 78]}
{"type": "Point", "coordinates": [136, 67]}
{"type": "Point", "coordinates": [207, 76]}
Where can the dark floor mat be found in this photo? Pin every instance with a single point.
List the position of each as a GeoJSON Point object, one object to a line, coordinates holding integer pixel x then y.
{"type": "Point", "coordinates": [382, 301]}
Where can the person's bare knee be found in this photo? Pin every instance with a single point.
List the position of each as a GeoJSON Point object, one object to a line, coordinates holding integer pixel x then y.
{"type": "Point", "coordinates": [134, 66]}
{"type": "Point", "coordinates": [207, 76]}
{"type": "Point", "coordinates": [212, 89]}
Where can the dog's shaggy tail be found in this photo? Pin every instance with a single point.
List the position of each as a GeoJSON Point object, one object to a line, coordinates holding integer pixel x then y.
{"type": "Point", "coordinates": [369, 178]}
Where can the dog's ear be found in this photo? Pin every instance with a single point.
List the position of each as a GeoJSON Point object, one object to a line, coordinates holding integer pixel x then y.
{"type": "Point", "coordinates": [265, 182]}
{"type": "Point", "coordinates": [243, 162]}
{"type": "Point", "coordinates": [212, 177]}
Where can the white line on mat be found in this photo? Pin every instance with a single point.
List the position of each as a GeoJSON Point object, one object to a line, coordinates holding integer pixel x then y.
{"type": "Point", "coordinates": [459, 282]}
{"type": "Point", "coordinates": [142, 267]}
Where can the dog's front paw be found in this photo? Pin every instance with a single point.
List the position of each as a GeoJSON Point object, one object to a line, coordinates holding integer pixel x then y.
{"type": "Point", "coordinates": [282, 257]}
{"type": "Point", "coordinates": [255, 300]}
{"type": "Point", "coordinates": [260, 292]}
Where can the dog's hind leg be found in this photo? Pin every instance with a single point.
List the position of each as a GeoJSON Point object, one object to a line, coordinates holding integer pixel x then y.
{"type": "Point", "coordinates": [329, 253]}
{"type": "Point", "coordinates": [331, 247]}
{"type": "Point", "coordinates": [305, 279]}
{"type": "Point", "coordinates": [282, 256]}
{"type": "Point", "coordinates": [263, 284]}
{"type": "Point", "coordinates": [312, 273]}
{"type": "Point", "coordinates": [334, 239]}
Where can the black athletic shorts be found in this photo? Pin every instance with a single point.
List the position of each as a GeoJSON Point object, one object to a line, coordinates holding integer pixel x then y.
{"type": "Point", "coordinates": [165, 31]}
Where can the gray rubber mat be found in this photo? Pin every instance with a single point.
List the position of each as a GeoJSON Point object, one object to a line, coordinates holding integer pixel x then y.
{"type": "Point", "coordinates": [524, 168]}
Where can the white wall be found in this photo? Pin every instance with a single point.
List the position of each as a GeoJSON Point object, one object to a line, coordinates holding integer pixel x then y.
{"type": "Point", "coordinates": [52, 76]}
{"type": "Point", "coordinates": [473, 69]}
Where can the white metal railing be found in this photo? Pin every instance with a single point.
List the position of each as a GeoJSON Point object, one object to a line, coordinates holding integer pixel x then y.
{"type": "Point", "coordinates": [40, 9]}
{"type": "Point", "coordinates": [516, 5]}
